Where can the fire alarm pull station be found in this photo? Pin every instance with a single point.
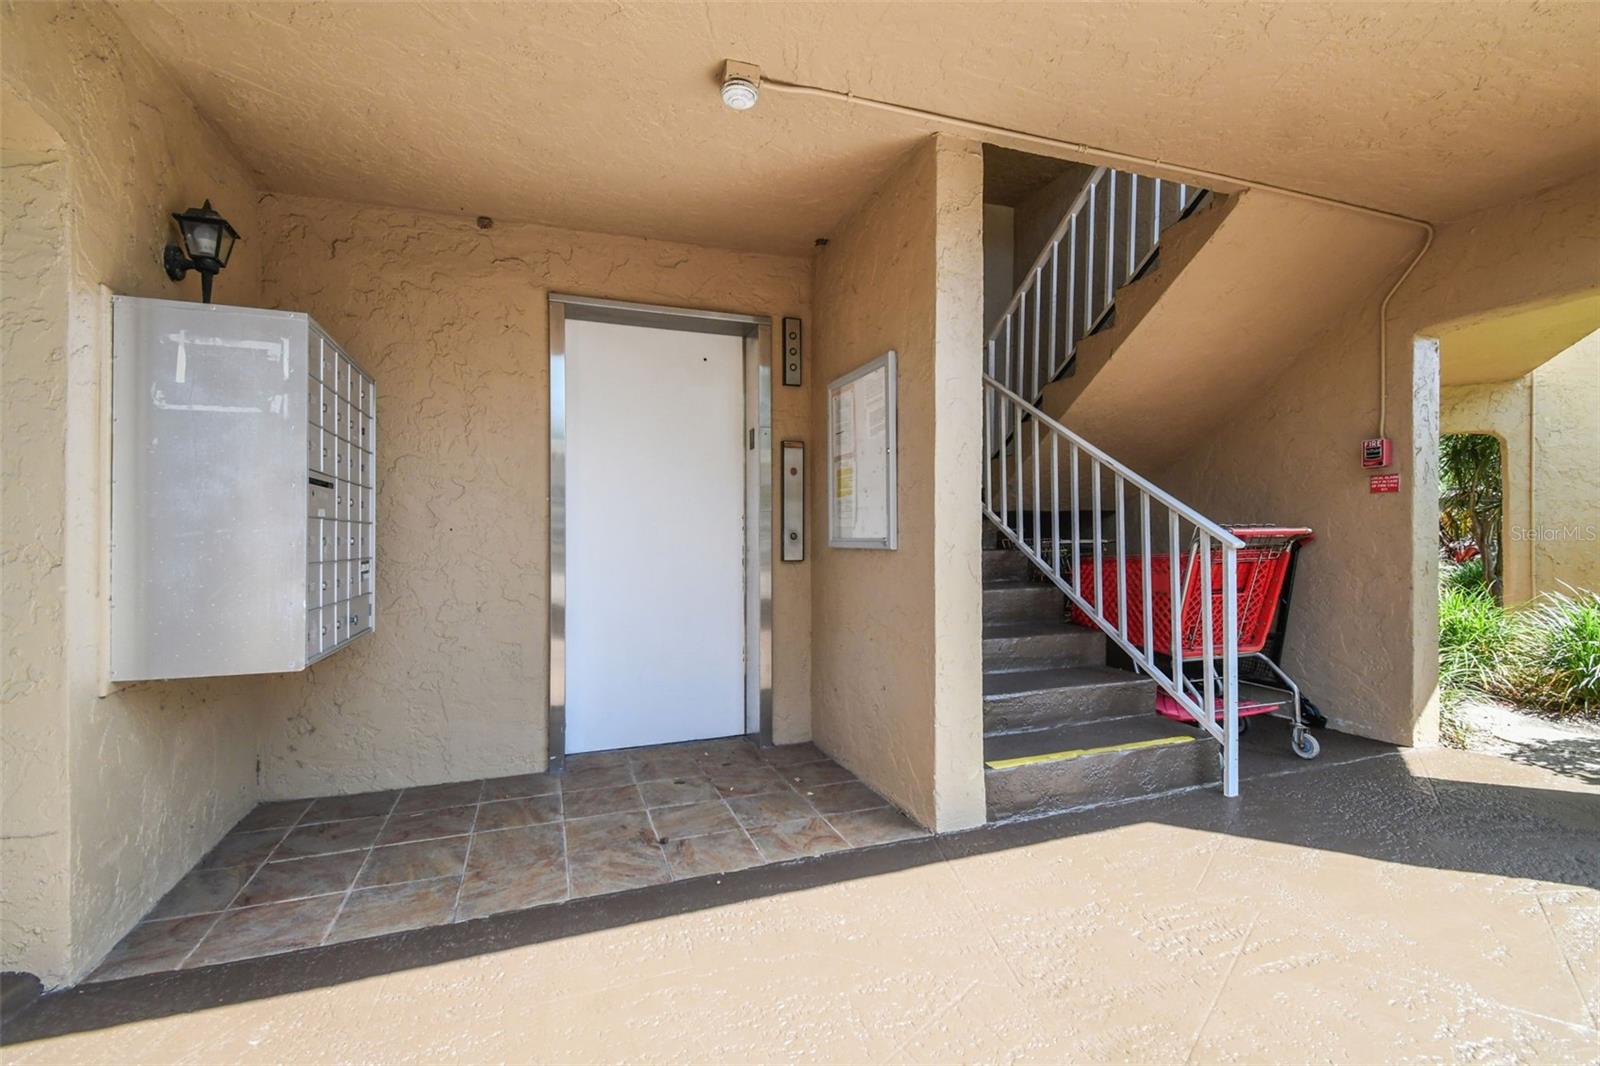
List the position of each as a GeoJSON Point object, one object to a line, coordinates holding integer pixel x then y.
{"type": "Point", "coordinates": [1377, 452]}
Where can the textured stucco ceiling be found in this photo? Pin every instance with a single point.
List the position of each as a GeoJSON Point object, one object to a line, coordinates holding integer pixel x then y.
{"type": "Point", "coordinates": [1503, 347]}
{"type": "Point", "coordinates": [605, 116]}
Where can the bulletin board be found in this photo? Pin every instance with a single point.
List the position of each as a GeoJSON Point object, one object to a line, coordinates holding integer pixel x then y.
{"type": "Point", "coordinates": [862, 457]}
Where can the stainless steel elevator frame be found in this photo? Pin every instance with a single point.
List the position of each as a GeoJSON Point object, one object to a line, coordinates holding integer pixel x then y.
{"type": "Point", "coordinates": [756, 331]}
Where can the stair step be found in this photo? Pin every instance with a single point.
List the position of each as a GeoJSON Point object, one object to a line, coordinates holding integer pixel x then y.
{"type": "Point", "coordinates": [999, 563]}
{"type": "Point", "coordinates": [1019, 599]}
{"type": "Point", "coordinates": [1073, 766]}
{"type": "Point", "coordinates": [1034, 644]}
{"type": "Point", "coordinates": [1038, 699]}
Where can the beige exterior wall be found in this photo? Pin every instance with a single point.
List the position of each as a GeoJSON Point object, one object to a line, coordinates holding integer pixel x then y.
{"type": "Point", "coordinates": [35, 920]}
{"type": "Point", "coordinates": [1363, 638]}
{"type": "Point", "coordinates": [110, 798]}
{"type": "Point", "coordinates": [1549, 424]}
{"type": "Point", "coordinates": [452, 322]}
{"type": "Point", "coordinates": [897, 693]}
{"type": "Point", "coordinates": [1566, 478]}
{"type": "Point", "coordinates": [999, 224]}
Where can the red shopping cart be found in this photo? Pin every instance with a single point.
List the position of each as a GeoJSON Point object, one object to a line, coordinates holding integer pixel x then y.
{"type": "Point", "coordinates": [1262, 568]}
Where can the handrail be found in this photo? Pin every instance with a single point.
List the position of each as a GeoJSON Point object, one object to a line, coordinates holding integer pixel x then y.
{"type": "Point", "coordinates": [1161, 495]}
{"type": "Point", "coordinates": [1056, 234]}
{"type": "Point", "coordinates": [1006, 502]}
{"type": "Point", "coordinates": [1106, 238]}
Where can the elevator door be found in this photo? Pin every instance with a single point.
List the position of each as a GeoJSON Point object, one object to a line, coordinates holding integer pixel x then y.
{"type": "Point", "coordinates": [655, 536]}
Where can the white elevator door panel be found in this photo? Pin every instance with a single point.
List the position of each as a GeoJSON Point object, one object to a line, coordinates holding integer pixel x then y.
{"type": "Point", "coordinates": [655, 532]}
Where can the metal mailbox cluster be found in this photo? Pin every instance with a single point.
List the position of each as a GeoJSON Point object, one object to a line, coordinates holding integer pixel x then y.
{"type": "Point", "coordinates": [342, 419]}
{"type": "Point", "coordinates": [243, 491]}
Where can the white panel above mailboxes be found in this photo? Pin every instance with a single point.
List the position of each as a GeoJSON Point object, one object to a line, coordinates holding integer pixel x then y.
{"type": "Point", "coordinates": [243, 491]}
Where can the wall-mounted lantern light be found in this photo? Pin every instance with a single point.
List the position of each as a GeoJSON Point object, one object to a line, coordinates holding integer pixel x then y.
{"type": "Point", "coordinates": [207, 240]}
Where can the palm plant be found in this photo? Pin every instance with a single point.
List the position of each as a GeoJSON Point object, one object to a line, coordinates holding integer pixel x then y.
{"type": "Point", "coordinates": [1470, 497]}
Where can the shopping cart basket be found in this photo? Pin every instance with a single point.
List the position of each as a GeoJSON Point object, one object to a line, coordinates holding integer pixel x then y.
{"type": "Point", "coordinates": [1263, 564]}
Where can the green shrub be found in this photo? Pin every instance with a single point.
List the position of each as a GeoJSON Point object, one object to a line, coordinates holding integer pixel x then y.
{"type": "Point", "coordinates": [1544, 656]}
{"type": "Point", "coordinates": [1475, 642]}
{"type": "Point", "coordinates": [1467, 575]}
{"type": "Point", "coordinates": [1557, 659]}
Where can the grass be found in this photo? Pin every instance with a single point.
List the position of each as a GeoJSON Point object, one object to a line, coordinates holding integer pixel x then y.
{"type": "Point", "coordinates": [1561, 657]}
{"type": "Point", "coordinates": [1545, 656]}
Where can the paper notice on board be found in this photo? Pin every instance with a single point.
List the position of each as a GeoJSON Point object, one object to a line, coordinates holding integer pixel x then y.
{"type": "Point", "coordinates": [844, 474]}
{"type": "Point", "coordinates": [872, 442]}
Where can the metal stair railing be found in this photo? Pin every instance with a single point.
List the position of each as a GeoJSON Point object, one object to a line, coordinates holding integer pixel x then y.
{"type": "Point", "coordinates": [1015, 488]}
{"type": "Point", "coordinates": [1109, 234]}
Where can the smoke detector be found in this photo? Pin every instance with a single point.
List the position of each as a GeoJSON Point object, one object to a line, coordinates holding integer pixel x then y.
{"type": "Point", "coordinates": [741, 84]}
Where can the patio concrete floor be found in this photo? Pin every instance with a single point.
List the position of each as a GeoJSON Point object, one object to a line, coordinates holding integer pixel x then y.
{"type": "Point", "coordinates": [1425, 905]}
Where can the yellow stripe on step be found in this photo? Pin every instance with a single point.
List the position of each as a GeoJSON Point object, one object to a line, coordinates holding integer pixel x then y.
{"type": "Point", "coordinates": [1058, 756]}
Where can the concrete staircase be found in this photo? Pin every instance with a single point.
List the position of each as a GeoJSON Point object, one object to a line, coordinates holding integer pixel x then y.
{"type": "Point", "coordinates": [1062, 728]}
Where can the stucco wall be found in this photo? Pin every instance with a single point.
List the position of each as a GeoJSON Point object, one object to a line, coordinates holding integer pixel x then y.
{"type": "Point", "coordinates": [999, 224]}
{"type": "Point", "coordinates": [897, 677]}
{"type": "Point", "coordinates": [1566, 494]}
{"type": "Point", "coordinates": [452, 322]}
{"type": "Point", "coordinates": [1549, 423]}
{"type": "Point", "coordinates": [34, 845]}
{"type": "Point", "coordinates": [145, 778]}
{"type": "Point", "coordinates": [1363, 636]}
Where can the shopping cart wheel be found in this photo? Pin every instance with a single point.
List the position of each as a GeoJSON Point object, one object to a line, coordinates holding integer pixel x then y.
{"type": "Point", "coordinates": [1305, 745]}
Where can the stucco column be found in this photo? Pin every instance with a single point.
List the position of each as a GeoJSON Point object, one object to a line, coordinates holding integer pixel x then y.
{"type": "Point", "coordinates": [897, 671]}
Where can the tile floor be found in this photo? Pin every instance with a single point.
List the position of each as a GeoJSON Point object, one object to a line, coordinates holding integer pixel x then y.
{"type": "Point", "coordinates": [300, 873]}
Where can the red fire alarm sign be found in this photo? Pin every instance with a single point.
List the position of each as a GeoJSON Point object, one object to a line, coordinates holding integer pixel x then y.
{"type": "Point", "coordinates": [1377, 452]}
{"type": "Point", "coordinates": [1383, 483]}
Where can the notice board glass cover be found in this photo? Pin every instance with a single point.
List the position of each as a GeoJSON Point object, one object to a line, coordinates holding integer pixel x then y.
{"type": "Point", "coordinates": [862, 457]}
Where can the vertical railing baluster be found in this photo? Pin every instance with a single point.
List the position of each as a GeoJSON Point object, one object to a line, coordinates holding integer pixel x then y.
{"type": "Point", "coordinates": [1175, 596]}
{"type": "Point", "coordinates": [1122, 560]}
{"type": "Point", "coordinates": [1111, 243]}
{"type": "Point", "coordinates": [1038, 336]}
{"type": "Point", "coordinates": [988, 436]}
{"type": "Point", "coordinates": [1208, 641]}
{"type": "Point", "coordinates": [1230, 672]}
{"type": "Point", "coordinates": [1133, 230]}
{"type": "Point", "coordinates": [1075, 503]}
{"type": "Point", "coordinates": [1144, 575]}
{"type": "Point", "coordinates": [1055, 502]}
{"type": "Point", "coordinates": [1038, 507]}
{"type": "Point", "coordinates": [1001, 405]}
{"type": "Point", "coordinates": [1099, 580]}
{"type": "Point", "coordinates": [1020, 493]}
{"type": "Point", "coordinates": [1070, 344]}
{"type": "Point", "coordinates": [1088, 260]}
{"type": "Point", "coordinates": [1005, 378]}
{"type": "Point", "coordinates": [1055, 305]}
{"type": "Point", "coordinates": [1155, 214]}
{"type": "Point", "coordinates": [1021, 387]}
